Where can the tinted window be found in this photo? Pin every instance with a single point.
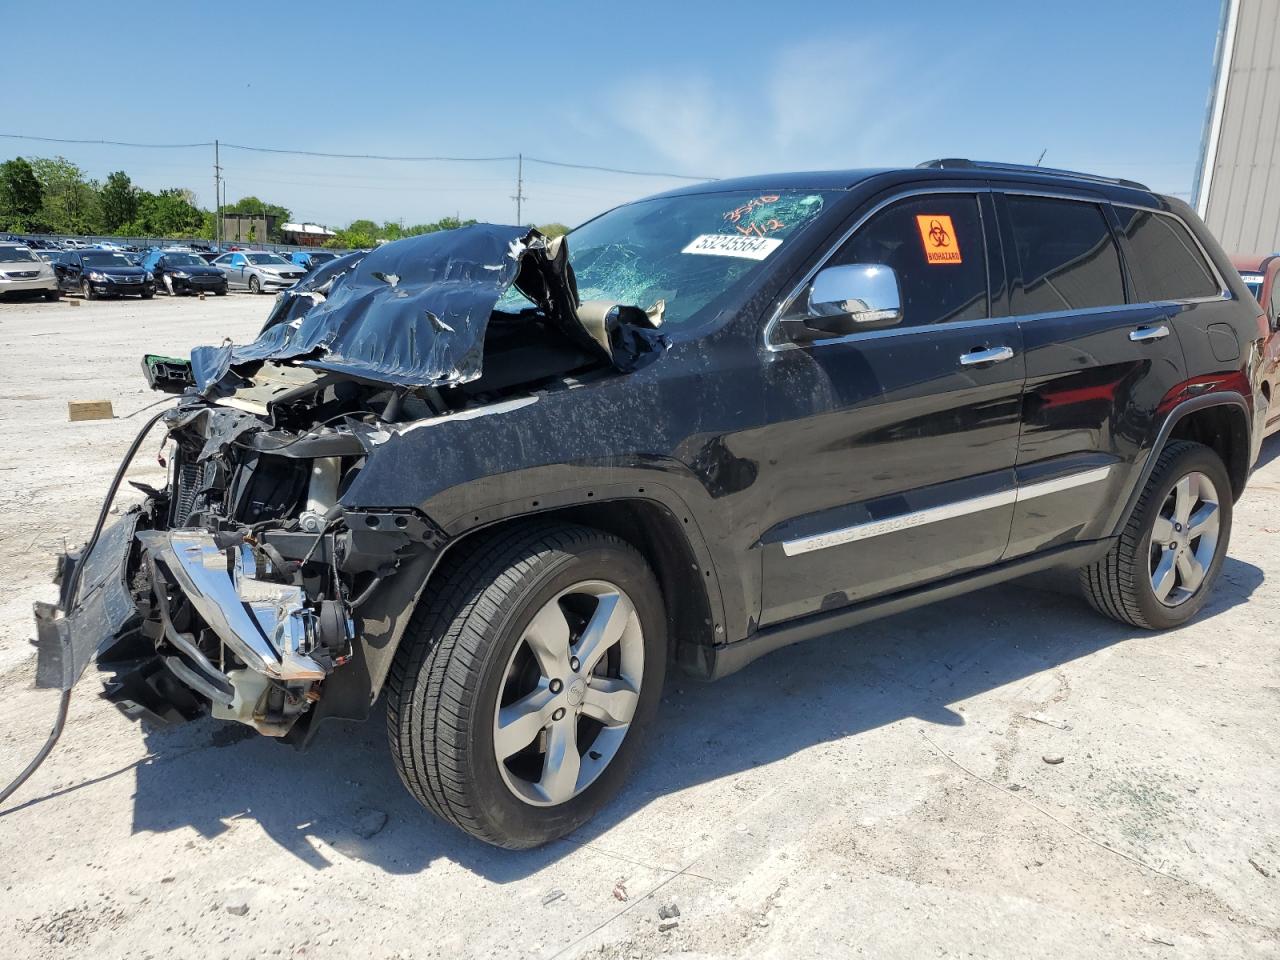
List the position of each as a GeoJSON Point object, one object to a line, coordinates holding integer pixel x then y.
{"type": "Point", "coordinates": [104, 258]}
{"type": "Point", "coordinates": [1068, 258]}
{"type": "Point", "coordinates": [935, 244]}
{"type": "Point", "coordinates": [1167, 261]}
{"type": "Point", "coordinates": [265, 258]}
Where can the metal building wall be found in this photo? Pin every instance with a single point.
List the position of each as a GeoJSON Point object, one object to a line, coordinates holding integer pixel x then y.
{"type": "Point", "coordinates": [1238, 187]}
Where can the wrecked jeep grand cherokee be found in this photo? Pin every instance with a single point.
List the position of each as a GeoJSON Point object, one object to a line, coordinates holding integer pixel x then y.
{"type": "Point", "coordinates": [503, 480]}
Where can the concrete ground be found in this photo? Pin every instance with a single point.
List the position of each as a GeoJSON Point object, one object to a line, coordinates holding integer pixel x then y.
{"type": "Point", "coordinates": [879, 793]}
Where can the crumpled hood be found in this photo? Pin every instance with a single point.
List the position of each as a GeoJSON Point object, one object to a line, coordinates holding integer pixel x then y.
{"type": "Point", "coordinates": [414, 312]}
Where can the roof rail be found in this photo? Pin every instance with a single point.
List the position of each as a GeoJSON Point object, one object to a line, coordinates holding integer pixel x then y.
{"type": "Point", "coordinates": [958, 163]}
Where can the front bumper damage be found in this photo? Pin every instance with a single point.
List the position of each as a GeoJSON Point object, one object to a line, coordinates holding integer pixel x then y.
{"type": "Point", "coordinates": [255, 586]}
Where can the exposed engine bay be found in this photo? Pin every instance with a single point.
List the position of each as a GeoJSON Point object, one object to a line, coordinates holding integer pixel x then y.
{"type": "Point", "coordinates": [244, 588]}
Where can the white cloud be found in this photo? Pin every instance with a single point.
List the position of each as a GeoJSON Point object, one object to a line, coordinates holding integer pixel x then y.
{"type": "Point", "coordinates": [829, 104]}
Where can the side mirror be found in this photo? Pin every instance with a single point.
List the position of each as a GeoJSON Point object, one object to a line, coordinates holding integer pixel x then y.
{"type": "Point", "coordinates": [848, 299]}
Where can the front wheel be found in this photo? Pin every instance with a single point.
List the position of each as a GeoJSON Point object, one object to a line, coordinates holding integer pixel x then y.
{"type": "Point", "coordinates": [1165, 563]}
{"type": "Point", "coordinates": [86, 290]}
{"type": "Point", "coordinates": [53, 294]}
{"type": "Point", "coordinates": [254, 285]}
{"type": "Point", "coordinates": [525, 681]}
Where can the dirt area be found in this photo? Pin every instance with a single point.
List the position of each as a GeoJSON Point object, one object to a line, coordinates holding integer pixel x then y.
{"type": "Point", "coordinates": [879, 793]}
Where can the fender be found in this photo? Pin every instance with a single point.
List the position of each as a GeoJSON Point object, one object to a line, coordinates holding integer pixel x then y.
{"type": "Point", "coordinates": [1178, 411]}
{"type": "Point", "coordinates": [351, 692]}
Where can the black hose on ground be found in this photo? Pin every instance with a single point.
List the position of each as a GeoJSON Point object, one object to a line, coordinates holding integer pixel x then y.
{"type": "Point", "coordinates": [64, 702]}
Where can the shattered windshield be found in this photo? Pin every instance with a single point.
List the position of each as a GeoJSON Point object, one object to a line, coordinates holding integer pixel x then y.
{"type": "Point", "coordinates": [686, 250]}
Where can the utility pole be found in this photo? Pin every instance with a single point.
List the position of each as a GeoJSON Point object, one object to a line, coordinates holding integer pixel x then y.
{"type": "Point", "coordinates": [519, 198]}
{"type": "Point", "coordinates": [217, 196]}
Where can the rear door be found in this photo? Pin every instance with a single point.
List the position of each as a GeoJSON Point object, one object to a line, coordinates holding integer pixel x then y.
{"type": "Point", "coordinates": [1099, 363]}
{"type": "Point", "coordinates": [892, 450]}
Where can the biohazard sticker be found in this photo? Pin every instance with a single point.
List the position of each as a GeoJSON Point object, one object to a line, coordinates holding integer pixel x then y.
{"type": "Point", "coordinates": [939, 238]}
{"type": "Point", "coordinates": [733, 245]}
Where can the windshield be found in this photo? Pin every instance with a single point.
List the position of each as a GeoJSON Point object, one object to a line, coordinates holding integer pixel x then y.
{"type": "Point", "coordinates": [266, 258]}
{"type": "Point", "coordinates": [319, 258]}
{"type": "Point", "coordinates": [686, 250]}
{"type": "Point", "coordinates": [182, 260]}
{"type": "Point", "coordinates": [15, 255]}
{"type": "Point", "coordinates": [102, 258]}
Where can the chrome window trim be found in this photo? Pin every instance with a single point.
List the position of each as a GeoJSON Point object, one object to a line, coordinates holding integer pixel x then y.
{"type": "Point", "coordinates": [946, 511]}
{"type": "Point", "coordinates": [1083, 197]}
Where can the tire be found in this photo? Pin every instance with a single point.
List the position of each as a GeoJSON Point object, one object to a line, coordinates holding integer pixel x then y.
{"type": "Point", "coordinates": [465, 655]}
{"type": "Point", "coordinates": [147, 296]}
{"type": "Point", "coordinates": [52, 295]}
{"type": "Point", "coordinates": [221, 292]}
{"type": "Point", "coordinates": [1122, 585]}
{"type": "Point", "coordinates": [254, 285]}
{"type": "Point", "coordinates": [86, 290]}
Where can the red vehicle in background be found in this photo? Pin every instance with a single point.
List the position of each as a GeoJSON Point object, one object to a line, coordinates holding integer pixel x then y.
{"type": "Point", "coordinates": [1259, 275]}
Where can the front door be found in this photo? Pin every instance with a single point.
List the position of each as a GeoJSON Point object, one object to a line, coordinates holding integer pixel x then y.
{"type": "Point", "coordinates": [894, 449]}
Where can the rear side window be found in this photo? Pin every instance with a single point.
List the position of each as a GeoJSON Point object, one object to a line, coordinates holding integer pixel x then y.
{"type": "Point", "coordinates": [1067, 255]}
{"type": "Point", "coordinates": [935, 244]}
{"type": "Point", "coordinates": [1167, 261]}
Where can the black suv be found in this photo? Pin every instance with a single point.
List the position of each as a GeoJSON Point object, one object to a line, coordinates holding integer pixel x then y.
{"type": "Point", "coordinates": [98, 273]}
{"type": "Point", "coordinates": [506, 481]}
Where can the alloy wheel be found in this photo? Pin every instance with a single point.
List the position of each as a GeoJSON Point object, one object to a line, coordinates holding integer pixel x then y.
{"type": "Point", "coordinates": [1184, 539]}
{"type": "Point", "coordinates": [569, 693]}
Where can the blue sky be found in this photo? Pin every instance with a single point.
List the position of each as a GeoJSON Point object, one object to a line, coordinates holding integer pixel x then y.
{"type": "Point", "coordinates": [719, 89]}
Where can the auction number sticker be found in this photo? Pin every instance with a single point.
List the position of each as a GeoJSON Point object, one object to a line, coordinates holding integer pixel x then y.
{"type": "Point", "coordinates": [733, 245]}
{"type": "Point", "coordinates": [939, 239]}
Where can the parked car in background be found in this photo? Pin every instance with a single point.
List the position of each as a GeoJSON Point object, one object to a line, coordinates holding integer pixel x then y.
{"type": "Point", "coordinates": [208, 256]}
{"type": "Point", "coordinates": [310, 259]}
{"type": "Point", "coordinates": [21, 271]}
{"type": "Point", "coordinates": [183, 271]}
{"type": "Point", "coordinates": [97, 273]}
{"type": "Point", "coordinates": [258, 271]}
{"type": "Point", "coordinates": [1259, 274]}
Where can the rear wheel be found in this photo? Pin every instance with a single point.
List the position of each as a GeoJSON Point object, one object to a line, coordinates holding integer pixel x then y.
{"type": "Point", "coordinates": [525, 680]}
{"type": "Point", "coordinates": [1165, 563]}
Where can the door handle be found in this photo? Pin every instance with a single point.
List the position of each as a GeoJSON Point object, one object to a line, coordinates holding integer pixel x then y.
{"type": "Point", "coordinates": [1147, 334]}
{"type": "Point", "coordinates": [993, 355]}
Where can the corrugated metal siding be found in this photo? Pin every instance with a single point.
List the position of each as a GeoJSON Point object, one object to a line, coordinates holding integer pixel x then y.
{"type": "Point", "coordinates": [1243, 208]}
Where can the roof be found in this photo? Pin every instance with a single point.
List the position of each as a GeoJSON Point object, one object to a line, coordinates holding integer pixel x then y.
{"type": "Point", "coordinates": [1251, 263]}
{"type": "Point", "coordinates": [950, 170]}
{"type": "Point", "coordinates": [313, 228]}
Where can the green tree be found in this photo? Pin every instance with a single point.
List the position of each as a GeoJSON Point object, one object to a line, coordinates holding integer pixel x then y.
{"type": "Point", "coordinates": [119, 202]}
{"type": "Point", "coordinates": [20, 195]}
{"type": "Point", "coordinates": [170, 213]}
{"type": "Point", "coordinates": [552, 229]}
{"type": "Point", "coordinates": [70, 199]}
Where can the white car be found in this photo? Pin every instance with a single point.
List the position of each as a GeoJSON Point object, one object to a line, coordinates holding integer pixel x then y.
{"type": "Point", "coordinates": [21, 271]}
{"type": "Point", "coordinates": [258, 271]}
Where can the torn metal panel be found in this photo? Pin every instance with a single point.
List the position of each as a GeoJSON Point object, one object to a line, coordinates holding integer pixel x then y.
{"type": "Point", "coordinates": [414, 313]}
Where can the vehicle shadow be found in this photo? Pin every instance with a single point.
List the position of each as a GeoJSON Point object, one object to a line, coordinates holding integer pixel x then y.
{"type": "Point", "coordinates": [916, 664]}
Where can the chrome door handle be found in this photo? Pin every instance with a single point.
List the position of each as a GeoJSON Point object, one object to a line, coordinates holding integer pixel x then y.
{"type": "Point", "coordinates": [994, 355]}
{"type": "Point", "coordinates": [1147, 334]}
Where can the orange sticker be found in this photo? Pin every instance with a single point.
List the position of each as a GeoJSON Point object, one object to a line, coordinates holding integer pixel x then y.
{"type": "Point", "coordinates": [939, 238]}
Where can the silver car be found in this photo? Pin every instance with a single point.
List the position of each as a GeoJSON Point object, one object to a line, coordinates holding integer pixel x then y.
{"type": "Point", "coordinates": [21, 271]}
{"type": "Point", "coordinates": [258, 271]}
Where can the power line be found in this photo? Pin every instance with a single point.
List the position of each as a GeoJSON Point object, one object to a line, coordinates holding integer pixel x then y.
{"type": "Point", "coordinates": [109, 143]}
{"type": "Point", "coordinates": [364, 156]}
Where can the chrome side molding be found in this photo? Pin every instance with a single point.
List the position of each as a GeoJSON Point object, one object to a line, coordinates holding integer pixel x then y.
{"type": "Point", "coordinates": [947, 511]}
